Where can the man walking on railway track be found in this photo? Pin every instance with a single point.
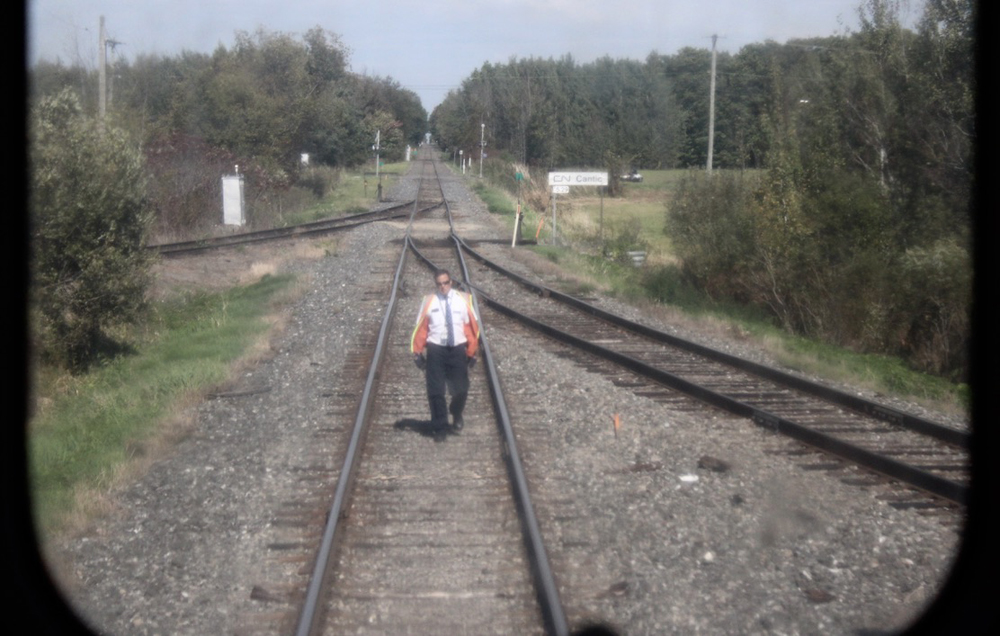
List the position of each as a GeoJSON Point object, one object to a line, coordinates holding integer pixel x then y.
{"type": "Point", "coordinates": [444, 345]}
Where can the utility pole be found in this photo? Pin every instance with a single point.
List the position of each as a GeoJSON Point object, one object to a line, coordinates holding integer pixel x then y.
{"type": "Point", "coordinates": [378, 177]}
{"type": "Point", "coordinates": [711, 110]}
{"type": "Point", "coordinates": [102, 73]}
{"type": "Point", "coordinates": [104, 88]}
{"type": "Point", "coordinates": [111, 72]}
{"type": "Point", "coordinates": [482, 147]}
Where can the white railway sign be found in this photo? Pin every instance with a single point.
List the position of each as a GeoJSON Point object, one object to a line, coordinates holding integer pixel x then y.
{"type": "Point", "coordinates": [560, 189]}
{"type": "Point", "coordinates": [578, 178]}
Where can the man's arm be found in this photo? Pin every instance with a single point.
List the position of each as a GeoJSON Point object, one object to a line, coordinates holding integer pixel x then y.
{"type": "Point", "coordinates": [418, 340]}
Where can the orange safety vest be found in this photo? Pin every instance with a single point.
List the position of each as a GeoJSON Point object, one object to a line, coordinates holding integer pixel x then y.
{"type": "Point", "coordinates": [418, 341]}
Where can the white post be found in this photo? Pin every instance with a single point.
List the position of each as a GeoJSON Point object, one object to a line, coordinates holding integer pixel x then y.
{"type": "Point", "coordinates": [553, 218]}
{"type": "Point", "coordinates": [102, 72]}
{"type": "Point", "coordinates": [711, 110]}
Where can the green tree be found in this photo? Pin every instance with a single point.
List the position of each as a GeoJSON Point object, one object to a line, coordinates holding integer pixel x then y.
{"type": "Point", "coordinates": [945, 82]}
{"type": "Point", "coordinates": [373, 95]}
{"type": "Point", "coordinates": [389, 132]}
{"type": "Point", "coordinates": [935, 297]}
{"type": "Point", "coordinates": [709, 225]}
{"type": "Point", "coordinates": [689, 72]}
{"type": "Point", "coordinates": [89, 221]}
{"type": "Point", "coordinates": [148, 92]}
{"type": "Point", "coordinates": [49, 78]}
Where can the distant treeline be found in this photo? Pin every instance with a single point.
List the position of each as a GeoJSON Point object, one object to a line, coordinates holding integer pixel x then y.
{"type": "Point", "coordinates": [879, 100]}
{"type": "Point", "coordinates": [259, 104]}
{"type": "Point", "coordinates": [854, 224]}
{"type": "Point", "coordinates": [854, 227]}
{"type": "Point", "coordinates": [270, 96]}
{"type": "Point", "coordinates": [174, 125]}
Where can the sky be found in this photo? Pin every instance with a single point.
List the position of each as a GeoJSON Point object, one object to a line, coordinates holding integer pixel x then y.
{"type": "Point", "coordinates": [430, 46]}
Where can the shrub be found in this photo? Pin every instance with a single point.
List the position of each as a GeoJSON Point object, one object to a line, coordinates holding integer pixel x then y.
{"type": "Point", "coordinates": [89, 220]}
{"type": "Point", "coordinates": [667, 284]}
{"type": "Point", "coordinates": [936, 295]}
{"type": "Point", "coordinates": [826, 261]}
{"type": "Point", "coordinates": [320, 180]}
{"type": "Point", "coordinates": [624, 237]}
{"type": "Point", "coordinates": [185, 187]}
{"type": "Point", "coordinates": [709, 227]}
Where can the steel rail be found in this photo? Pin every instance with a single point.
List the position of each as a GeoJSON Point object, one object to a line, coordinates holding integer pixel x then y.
{"type": "Point", "coordinates": [308, 623]}
{"type": "Point", "coordinates": [923, 480]}
{"type": "Point", "coordinates": [888, 414]}
{"type": "Point", "coordinates": [546, 589]}
{"type": "Point", "coordinates": [313, 228]}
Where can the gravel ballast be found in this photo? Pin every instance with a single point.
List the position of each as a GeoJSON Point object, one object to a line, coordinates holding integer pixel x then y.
{"type": "Point", "coordinates": [684, 522]}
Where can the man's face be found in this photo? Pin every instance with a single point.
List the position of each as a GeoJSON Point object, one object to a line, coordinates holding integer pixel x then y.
{"type": "Point", "coordinates": [443, 283]}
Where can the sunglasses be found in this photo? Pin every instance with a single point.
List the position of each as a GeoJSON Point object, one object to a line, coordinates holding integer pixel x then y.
{"type": "Point", "coordinates": [443, 283]}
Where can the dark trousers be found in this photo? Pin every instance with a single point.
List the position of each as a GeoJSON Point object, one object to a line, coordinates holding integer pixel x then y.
{"type": "Point", "coordinates": [446, 366]}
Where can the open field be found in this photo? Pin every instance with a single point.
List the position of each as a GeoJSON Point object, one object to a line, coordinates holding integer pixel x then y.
{"type": "Point", "coordinates": [585, 217]}
{"type": "Point", "coordinates": [644, 206]}
{"type": "Point", "coordinates": [588, 239]}
{"type": "Point", "coordinates": [355, 191]}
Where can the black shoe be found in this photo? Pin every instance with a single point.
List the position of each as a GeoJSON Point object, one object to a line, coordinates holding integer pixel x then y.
{"type": "Point", "coordinates": [459, 423]}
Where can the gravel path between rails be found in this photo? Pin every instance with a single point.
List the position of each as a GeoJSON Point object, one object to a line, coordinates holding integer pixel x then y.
{"type": "Point", "coordinates": [763, 547]}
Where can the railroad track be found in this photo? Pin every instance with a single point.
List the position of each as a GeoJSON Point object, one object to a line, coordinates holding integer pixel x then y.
{"type": "Point", "coordinates": [425, 536]}
{"type": "Point", "coordinates": [431, 531]}
{"type": "Point", "coordinates": [938, 468]}
{"type": "Point", "coordinates": [919, 453]}
{"type": "Point", "coordinates": [316, 228]}
{"type": "Point", "coordinates": [428, 199]}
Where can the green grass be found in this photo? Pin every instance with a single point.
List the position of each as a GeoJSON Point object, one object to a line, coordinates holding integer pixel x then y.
{"type": "Point", "coordinates": [504, 205]}
{"type": "Point", "coordinates": [661, 282]}
{"type": "Point", "coordinates": [642, 203]}
{"type": "Point", "coordinates": [880, 373]}
{"type": "Point", "coordinates": [87, 427]}
{"type": "Point", "coordinates": [646, 204]}
{"type": "Point", "coordinates": [355, 192]}
{"type": "Point", "coordinates": [497, 202]}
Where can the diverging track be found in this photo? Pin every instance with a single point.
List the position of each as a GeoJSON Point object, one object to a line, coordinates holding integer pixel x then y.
{"type": "Point", "coordinates": [917, 452]}
{"type": "Point", "coordinates": [433, 531]}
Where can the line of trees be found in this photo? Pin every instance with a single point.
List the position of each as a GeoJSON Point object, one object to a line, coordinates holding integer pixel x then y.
{"type": "Point", "coordinates": [845, 211]}
{"type": "Point", "coordinates": [259, 103]}
{"type": "Point", "coordinates": [850, 220]}
{"type": "Point", "coordinates": [557, 112]}
{"type": "Point", "coordinates": [859, 229]}
{"type": "Point", "coordinates": [175, 125]}
{"type": "Point", "coordinates": [560, 113]}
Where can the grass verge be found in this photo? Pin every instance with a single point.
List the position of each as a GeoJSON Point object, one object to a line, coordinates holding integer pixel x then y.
{"type": "Point", "coordinates": [660, 283]}
{"type": "Point", "coordinates": [354, 192]}
{"type": "Point", "coordinates": [664, 285]}
{"type": "Point", "coordinates": [502, 204]}
{"type": "Point", "coordinates": [90, 431]}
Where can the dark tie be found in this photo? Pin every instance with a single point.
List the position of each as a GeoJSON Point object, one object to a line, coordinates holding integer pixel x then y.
{"type": "Point", "coordinates": [451, 328]}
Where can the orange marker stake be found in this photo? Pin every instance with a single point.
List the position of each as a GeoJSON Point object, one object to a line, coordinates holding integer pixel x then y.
{"type": "Point", "coordinates": [617, 421]}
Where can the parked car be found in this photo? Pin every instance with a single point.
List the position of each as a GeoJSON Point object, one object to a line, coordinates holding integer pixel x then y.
{"type": "Point", "coordinates": [633, 176]}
